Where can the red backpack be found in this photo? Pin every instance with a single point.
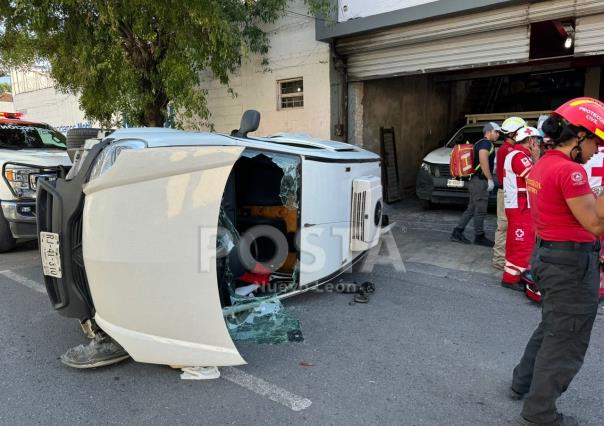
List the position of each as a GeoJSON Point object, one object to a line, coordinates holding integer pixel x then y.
{"type": "Point", "coordinates": [462, 162]}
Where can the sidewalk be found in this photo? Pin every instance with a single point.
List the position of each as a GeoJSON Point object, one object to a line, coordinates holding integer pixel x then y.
{"type": "Point", "coordinates": [422, 236]}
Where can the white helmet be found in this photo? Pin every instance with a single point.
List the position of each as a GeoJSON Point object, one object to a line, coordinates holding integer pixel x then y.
{"type": "Point", "coordinates": [527, 132]}
{"type": "Point", "coordinates": [512, 125]}
{"type": "Point", "coordinates": [541, 120]}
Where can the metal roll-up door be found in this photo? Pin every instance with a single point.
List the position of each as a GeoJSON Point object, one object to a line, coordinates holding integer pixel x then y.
{"type": "Point", "coordinates": [435, 30]}
{"type": "Point", "coordinates": [588, 7]}
{"type": "Point", "coordinates": [492, 37]}
{"type": "Point", "coordinates": [589, 35]}
{"type": "Point", "coordinates": [475, 50]}
{"type": "Point", "coordinates": [552, 9]}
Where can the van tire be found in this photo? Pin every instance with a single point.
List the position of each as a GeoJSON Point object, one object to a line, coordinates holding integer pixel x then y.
{"type": "Point", "coordinates": [7, 241]}
{"type": "Point", "coordinates": [426, 204]}
{"type": "Point", "coordinates": [77, 137]}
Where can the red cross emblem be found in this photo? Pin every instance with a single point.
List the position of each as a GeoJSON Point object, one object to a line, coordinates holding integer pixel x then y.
{"type": "Point", "coordinates": [528, 132]}
{"type": "Point", "coordinates": [598, 171]}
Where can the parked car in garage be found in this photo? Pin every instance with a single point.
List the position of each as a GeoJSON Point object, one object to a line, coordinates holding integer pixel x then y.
{"type": "Point", "coordinates": [434, 183]}
{"type": "Point", "coordinates": [29, 152]}
{"type": "Point", "coordinates": [434, 176]}
{"type": "Point", "coordinates": [155, 230]}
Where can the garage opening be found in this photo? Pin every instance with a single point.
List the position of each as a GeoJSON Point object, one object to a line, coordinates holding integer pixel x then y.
{"type": "Point", "coordinates": [535, 91]}
{"type": "Point", "coordinates": [425, 111]}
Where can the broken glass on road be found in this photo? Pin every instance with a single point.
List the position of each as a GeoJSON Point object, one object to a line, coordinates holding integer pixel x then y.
{"type": "Point", "coordinates": [261, 320]}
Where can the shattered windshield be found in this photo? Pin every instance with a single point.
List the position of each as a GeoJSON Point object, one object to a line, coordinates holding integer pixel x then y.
{"type": "Point", "coordinates": [290, 183]}
{"type": "Point", "coordinates": [30, 136]}
{"type": "Point", "coordinates": [251, 318]}
{"type": "Point", "coordinates": [251, 302]}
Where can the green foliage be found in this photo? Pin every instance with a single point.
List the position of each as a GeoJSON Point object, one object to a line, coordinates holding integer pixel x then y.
{"type": "Point", "coordinates": [132, 58]}
{"type": "Point", "coordinates": [5, 87]}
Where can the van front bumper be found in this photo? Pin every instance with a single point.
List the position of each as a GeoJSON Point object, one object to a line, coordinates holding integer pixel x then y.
{"type": "Point", "coordinates": [60, 207]}
{"type": "Point", "coordinates": [21, 216]}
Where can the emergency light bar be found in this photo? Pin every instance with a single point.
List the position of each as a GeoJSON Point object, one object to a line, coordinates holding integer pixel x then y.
{"type": "Point", "coordinates": [13, 115]}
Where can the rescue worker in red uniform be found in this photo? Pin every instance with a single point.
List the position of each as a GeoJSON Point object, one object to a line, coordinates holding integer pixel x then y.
{"type": "Point", "coordinates": [509, 128]}
{"type": "Point", "coordinates": [568, 219]}
{"type": "Point", "coordinates": [520, 239]}
{"type": "Point", "coordinates": [595, 173]}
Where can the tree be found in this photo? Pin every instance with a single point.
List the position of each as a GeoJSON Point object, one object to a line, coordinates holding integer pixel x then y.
{"type": "Point", "coordinates": [133, 58]}
{"type": "Point", "coordinates": [5, 87]}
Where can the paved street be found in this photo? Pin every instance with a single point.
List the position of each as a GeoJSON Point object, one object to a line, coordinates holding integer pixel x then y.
{"type": "Point", "coordinates": [435, 345]}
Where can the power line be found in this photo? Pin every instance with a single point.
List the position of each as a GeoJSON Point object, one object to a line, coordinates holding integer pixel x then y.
{"type": "Point", "coordinates": [311, 17]}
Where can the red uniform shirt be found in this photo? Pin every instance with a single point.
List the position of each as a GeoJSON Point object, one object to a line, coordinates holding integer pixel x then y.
{"type": "Point", "coordinates": [554, 179]}
{"type": "Point", "coordinates": [502, 152]}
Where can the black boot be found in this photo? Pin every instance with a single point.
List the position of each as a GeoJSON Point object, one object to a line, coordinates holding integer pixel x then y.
{"type": "Point", "coordinates": [481, 240]}
{"type": "Point", "coordinates": [513, 286]}
{"type": "Point", "coordinates": [458, 237]}
{"type": "Point", "coordinates": [562, 420]}
{"type": "Point", "coordinates": [515, 396]}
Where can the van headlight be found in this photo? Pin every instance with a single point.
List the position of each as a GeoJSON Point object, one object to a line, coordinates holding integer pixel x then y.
{"type": "Point", "coordinates": [107, 157]}
{"type": "Point", "coordinates": [426, 167]}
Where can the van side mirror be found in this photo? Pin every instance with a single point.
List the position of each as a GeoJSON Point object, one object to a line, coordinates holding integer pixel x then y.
{"type": "Point", "coordinates": [249, 123]}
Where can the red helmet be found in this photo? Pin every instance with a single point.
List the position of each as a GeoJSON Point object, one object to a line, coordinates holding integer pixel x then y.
{"type": "Point", "coordinates": [585, 112]}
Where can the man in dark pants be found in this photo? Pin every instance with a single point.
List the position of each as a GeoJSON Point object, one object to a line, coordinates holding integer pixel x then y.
{"type": "Point", "coordinates": [554, 354]}
{"type": "Point", "coordinates": [479, 186]}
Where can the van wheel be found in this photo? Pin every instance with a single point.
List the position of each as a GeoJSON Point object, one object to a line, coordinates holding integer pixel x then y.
{"type": "Point", "coordinates": [77, 137]}
{"type": "Point", "coordinates": [7, 242]}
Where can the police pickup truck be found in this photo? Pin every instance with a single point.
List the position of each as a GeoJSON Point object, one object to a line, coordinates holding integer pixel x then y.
{"type": "Point", "coordinates": [29, 151]}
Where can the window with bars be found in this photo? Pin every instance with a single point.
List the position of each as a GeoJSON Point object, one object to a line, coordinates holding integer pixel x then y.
{"type": "Point", "coordinates": [291, 93]}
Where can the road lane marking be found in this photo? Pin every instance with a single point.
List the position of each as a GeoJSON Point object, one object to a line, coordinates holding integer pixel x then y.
{"type": "Point", "coordinates": [27, 282]}
{"type": "Point", "coordinates": [233, 375]}
{"type": "Point", "coordinates": [265, 389]}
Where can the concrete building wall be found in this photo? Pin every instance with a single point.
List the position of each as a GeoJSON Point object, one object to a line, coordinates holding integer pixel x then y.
{"type": "Point", "coordinates": [356, 92]}
{"type": "Point", "coordinates": [7, 107]}
{"type": "Point", "coordinates": [339, 96]}
{"type": "Point", "coordinates": [30, 80]}
{"type": "Point", "coordinates": [419, 111]}
{"type": "Point", "coordinates": [35, 96]}
{"type": "Point", "coordinates": [294, 53]}
{"type": "Point", "coordinates": [50, 106]}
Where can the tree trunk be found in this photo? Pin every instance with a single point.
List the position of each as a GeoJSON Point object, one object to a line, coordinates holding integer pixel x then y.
{"type": "Point", "coordinates": [155, 112]}
{"type": "Point", "coordinates": [154, 116]}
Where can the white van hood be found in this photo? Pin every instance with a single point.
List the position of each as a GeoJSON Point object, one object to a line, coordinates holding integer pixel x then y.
{"type": "Point", "coordinates": [439, 156]}
{"type": "Point", "coordinates": [36, 157]}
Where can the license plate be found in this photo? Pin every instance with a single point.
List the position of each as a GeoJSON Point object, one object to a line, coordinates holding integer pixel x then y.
{"type": "Point", "coordinates": [454, 183]}
{"type": "Point", "coordinates": [51, 257]}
